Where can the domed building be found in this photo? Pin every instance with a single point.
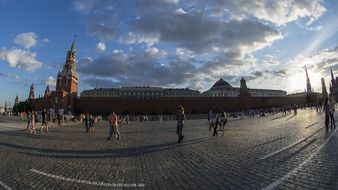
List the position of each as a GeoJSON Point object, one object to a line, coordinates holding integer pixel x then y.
{"type": "Point", "coordinates": [221, 88]}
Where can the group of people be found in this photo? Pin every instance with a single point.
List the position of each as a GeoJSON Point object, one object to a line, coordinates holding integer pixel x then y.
{"type": "Point", "coordinates": [32, 119]}
{"type": "Point", "coordinates": [217, 121]}
{"type": "Point", "coordinates": [114, 122]}
{"type": "Point", "coordinates": [329, 108]}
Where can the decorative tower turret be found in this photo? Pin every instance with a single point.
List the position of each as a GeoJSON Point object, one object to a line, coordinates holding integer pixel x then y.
{"type": "Point", "coordinates": [16, 100]}
{"type": "Point", "coordinates": [243, 91]}
{"type": "Point", "coordinates": [47, 92]}
{"type": "Point", "coordinates": [308, 84]}
{"type": "Point", "coordinates": [31, 92]}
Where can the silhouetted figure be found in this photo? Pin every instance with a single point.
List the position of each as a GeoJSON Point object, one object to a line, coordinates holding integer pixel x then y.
{"type": "Point", "coordinates": [180, 117]}
{"type": "Point", "coordinates": [332, 109]}
{"type": "Point", "coordinates": [326, 108]}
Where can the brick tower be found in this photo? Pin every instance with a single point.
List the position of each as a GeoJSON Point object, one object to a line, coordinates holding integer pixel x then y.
{"type": "Point", "coordinates": [68, 80]}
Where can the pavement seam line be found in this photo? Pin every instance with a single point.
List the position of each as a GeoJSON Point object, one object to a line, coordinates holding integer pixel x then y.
{"type": "Point", "coordinates": [59, 177]}
{"type": "Point", "coordinates": [294, 171]}
{"type": "Point", "coordinates": [289, 146]}
{"type": "Point", "coordinates": [6, 187]}
{"type": "Point", "coordinates": [312, 125]}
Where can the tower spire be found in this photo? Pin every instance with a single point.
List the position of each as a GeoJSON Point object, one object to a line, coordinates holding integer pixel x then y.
{"type": "Point", "coordinates": [324, 92]}
{"type": "Point", "coordinates": [31, 92]}
{"type": "Point", "coordinates": [308, 84]}
{"type": "Point", "coordinates": [73, 47]}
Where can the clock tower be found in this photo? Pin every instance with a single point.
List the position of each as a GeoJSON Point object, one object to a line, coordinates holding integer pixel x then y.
{"type": "Point", "coordinates": [68, 79]}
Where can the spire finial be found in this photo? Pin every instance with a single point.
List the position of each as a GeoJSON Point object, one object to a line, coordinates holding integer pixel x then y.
{"type": "Point", "coordinates": [72, 48]}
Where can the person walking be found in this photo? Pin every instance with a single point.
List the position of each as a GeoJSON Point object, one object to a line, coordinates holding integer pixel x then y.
{"type": "Point", "coordinates": [87, 122]}
{"type": "Point", "coordinates": [29, 120]}
{"type": "Point", "coordinates": [216, 125]}
{"type": "Point", "coordinates": [180, 117]}
{"type": "Point", "coordinates": [58, 117]}
{"type": "Point", "coordinates": [224, 120]}
{"type": "Point", "coordinates": [33, 123]}
{"type": "Point", "coordinates": [44, 121]}
{"type": "Point", "coordinates": [332, 103]}
{"type": "Point", "coordinates": [91, 123]}
{"type": "Point", "coordinates": [113, 121]}
{"type": "Point", "coordinates": [209, 117]}
{"type": "Point", "coordinates": [326, 108]}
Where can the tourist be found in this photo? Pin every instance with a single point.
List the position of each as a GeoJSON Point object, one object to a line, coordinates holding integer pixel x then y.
{"type": "Point", "coordinates": [161, 118]}
{"type": "Point", "coordinates": [87, 121]}
{"type": "Point", "coordinates": [33, 123]}
{"type": "Point", "coordinates": [224, 120]}
{"type": "Point", "coordinates": [29, 120]}
{"type": "Point", "coordinates": [332, 102]}
{"type": "Point", "coordinates": [326, 108]}
{"type": "Point", "coordinates": [58, 117]}
{"type": "Point", "coordinates": [209, 117]}
{"type": "Point", "coordinates": [180, 117]}
{"type": "Point", "coordinates": [113, 121]}
{"type": "Point", "coordinates": [216, 124]}
{"type": "Point", "coordinates": [91, 123]}
{"type": "Point", "coordinates": [127, 119]}
{"type": "Point", "coordinates": [44, 120]}
{"type": "Point", "coordinates": [295, 109]}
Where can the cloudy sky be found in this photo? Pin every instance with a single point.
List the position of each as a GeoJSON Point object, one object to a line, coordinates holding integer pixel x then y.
{"type": "Point", "coordinates": [168, 43]}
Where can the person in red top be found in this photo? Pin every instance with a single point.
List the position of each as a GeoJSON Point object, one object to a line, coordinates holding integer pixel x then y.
{"type": "Point", "coordinates": [113, 121]}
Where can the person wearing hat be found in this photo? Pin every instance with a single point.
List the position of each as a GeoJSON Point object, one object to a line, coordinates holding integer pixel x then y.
{"type": "Point", "coordinates": [180, 117]}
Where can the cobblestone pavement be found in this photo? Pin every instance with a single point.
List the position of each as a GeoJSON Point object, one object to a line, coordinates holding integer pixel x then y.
{"type": "Point", "coordinates": [272, 152]}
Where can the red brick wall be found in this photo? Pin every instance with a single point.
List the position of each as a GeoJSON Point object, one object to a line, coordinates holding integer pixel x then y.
{"type": "Point", "coordinates": [168, 105]}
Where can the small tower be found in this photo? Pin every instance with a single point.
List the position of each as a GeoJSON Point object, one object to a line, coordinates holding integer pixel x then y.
{"type": "Point", "coordinates": [47, 92]}
{"type": "Point", "coordinates": [6, 106]}
{"type": "Point", "coordinates": [243, 90]}
{"type": "Point", "coordinates": [308, 84]}
{"type": "Point", "coordinates": [31, 92]}
{"type": "Point", "coordinates": [16, 101]}
{"type": "Point", "coordinates": [324, 91]}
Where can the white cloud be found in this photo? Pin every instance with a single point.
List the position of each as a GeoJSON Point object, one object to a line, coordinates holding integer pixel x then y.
{"type": "Point", "coordinates": [101, 47]}
{"type": "Point", "coordinates": [19, 58]}
{"type": "Point", "coordinates": [277, 12]}
{"type": "Point", "coordinates": [148, 39]}
{"type": "Point", "coordinates": [202, 39]}
{"type": "Point", "coordinates": [50, 81]}
{"type": "Point", "coordinates": [46, 40]}
{"type": "Point", "coordinates": [26, 40]}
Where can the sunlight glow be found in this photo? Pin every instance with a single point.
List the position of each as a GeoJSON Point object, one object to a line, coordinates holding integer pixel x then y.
{"type": "Point", "coordinates": [298, 81]}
